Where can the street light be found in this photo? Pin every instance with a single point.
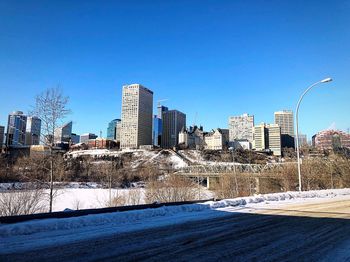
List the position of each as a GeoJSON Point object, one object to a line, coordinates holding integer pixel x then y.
{"type": "Point", "coordinates": [326, 80]}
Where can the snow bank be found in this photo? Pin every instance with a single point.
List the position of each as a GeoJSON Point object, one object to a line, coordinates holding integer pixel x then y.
{"type": "Point", "coordinates": [280, 197]}
{"type": "Point", "coordinates": [131, 217]}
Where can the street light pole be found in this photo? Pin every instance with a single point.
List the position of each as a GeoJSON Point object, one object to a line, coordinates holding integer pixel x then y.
{"type": "Point", "coordinates": [297, 124]}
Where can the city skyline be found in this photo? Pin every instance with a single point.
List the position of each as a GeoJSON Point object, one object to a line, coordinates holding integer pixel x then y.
{"type": "Point", "coordinates": [221, 61]}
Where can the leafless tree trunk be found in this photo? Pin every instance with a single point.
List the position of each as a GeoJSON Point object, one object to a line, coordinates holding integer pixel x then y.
{"type": "Point", "coordinates": [51, 108]}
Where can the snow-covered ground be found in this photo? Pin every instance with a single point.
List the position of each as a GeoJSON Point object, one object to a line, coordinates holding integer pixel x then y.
{"type": "Point", "coordinates": [90, 195]}
{"type": "Point", "coordinates": [219, 229]}
{"type": "Point", "coordinates": [173, 214]}
{"type": "Point", "coordinates": [140, 156]}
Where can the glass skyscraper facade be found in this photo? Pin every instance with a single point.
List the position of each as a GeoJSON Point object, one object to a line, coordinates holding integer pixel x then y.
{"type": "Point", "coordinates": [112, 130]}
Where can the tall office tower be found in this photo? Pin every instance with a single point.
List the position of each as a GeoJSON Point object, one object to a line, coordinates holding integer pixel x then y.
{"type": "Point", "coordinates": [2, 133]}
{"type": "Point", "coordinates": [172, 123]}
{"type": "Point", "coordinates": [112, 129]}
{"type": "Point", "coordinates": [64, 133]}
{"type": "Point", "coordinates": [285, 120]}
{"type": "Point", "coordinates": [118, 131]}
{"type": "Point", "coordinates": [274, 136]}
{"type": "Point", "coordinates": [137, 107]}
{"type": "Point", "coordinates": [260, 134]}
{"type": "Point", "coordinates": [241, 127]}
{"type": "Point", "coordinates": [157, 126]}
{"type": "Point", "coordinates": [16, 129]}
{"type": "Point", "coordinates": [33, 130]}
{"type": "Point", "coordinates": [267, 137]}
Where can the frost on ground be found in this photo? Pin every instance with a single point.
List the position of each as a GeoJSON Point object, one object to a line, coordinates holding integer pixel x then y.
{"type": "Point", "coordinates": [138, 219]}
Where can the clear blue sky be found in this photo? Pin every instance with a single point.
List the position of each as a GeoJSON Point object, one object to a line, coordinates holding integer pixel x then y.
{"type": "Point", "coordinates": [216, 58]}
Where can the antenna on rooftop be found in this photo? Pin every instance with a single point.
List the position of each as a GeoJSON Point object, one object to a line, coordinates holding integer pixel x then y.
{"type": "Point", "coordinates": [100, 133]}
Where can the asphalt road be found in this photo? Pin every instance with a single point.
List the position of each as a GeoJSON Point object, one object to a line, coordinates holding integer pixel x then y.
{"type": "Point", "coordinates": [312, 231]}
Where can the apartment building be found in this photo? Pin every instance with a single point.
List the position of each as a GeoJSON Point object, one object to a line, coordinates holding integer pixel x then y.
{"type": "Point", "coordinates": [330, 139]}
{"type": "Point", "coordinates": [241, 127]}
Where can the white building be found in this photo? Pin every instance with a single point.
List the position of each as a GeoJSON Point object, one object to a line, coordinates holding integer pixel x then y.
{"type": "Point", "coordinates": [241, 127]}
{"type": "Point", "coordinates": [137, 106]}
{"type": "Point", "coordinates": [216, 139]}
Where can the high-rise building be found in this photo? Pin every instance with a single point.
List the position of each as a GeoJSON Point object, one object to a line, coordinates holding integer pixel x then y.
{"type": "Point", "coordinates": [137, 107]}
{"type": "Point", "coordinates": [64, 133]}
{"type": "Point", "coordinates": [16, 129]}
{"type": "Point", "coordinates": [2, 133]}
{"type": "Point", "coordinates": [157, 125]}
{"type": "Point", "coordinates": [285, 120]}
{"type": "Point", "coordinates": [172, 123]}
{"type": "Point", "coordinates": [33, 130]}
{"type": "Point", "coordinates": [274, 136]}
{"type": "Point", "coordinates": [112, 129]}
{"type": "Point", "coordinates": [267, 137]}
{"type": "Point", "coordinates": [84, 138]}
{"type": "Point", "coordinates": [241, 127]}
{"type": "Point", "coordinates": [118, 131]}
{"type": "Point", "coordinates": [260, 142]}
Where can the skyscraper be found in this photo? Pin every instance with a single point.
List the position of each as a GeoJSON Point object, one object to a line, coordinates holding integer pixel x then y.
{"type": "Point", "coordinates": [112, 129]}
{"type": "Point", "coordinates": [33, 130]}
{"type": "Point", "coordinates": [137, 107]}
{"type": "Point", "coordinates": [172, 123]}
{"type": "Point", "coordinates": [16, 129]}
{"type": "Point", "coordinates": [285, 120]}
{"type": "Point", "coordinates": [274, 136]}
{"type": "Point", "coordinates": [157, 125]}
{"type": "Point", "coordinates": [241, 127]}
{"type": "Point", "coordinates": [64, 133]}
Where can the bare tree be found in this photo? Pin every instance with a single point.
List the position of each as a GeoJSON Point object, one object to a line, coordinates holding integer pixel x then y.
{"type": "Point", "coordinates": [51, 108]}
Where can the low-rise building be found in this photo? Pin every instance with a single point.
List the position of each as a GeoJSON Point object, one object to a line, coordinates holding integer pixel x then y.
{"type": "Point", "coordinates": [101, 143]}
{"type": "Point", "coordinates": [216, 139]}
{"type": "Point", "coordinates": [84, 138]}
{"type": "Point", "coordinates": [241, 144]}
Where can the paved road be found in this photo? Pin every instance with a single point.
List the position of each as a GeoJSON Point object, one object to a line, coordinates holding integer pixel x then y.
{"type": "Point", "coordinates": [311, 231]}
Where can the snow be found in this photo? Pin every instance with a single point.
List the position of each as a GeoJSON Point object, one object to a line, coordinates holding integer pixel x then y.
{"type": "Point", "coordinates": [172, 214]}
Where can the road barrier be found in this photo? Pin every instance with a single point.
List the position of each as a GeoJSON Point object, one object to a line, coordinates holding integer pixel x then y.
{"type": "Point", "coordinates": [84, 212]}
